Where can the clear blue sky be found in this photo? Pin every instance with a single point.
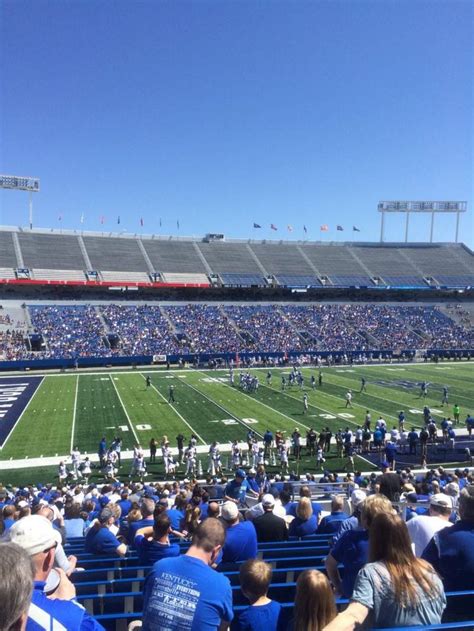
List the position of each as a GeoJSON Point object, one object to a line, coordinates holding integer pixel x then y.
{"type": "Point", "coordinates": [223, 113]}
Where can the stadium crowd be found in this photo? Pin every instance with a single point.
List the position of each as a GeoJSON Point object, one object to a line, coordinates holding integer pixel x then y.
{"type": "Point", "coordinates": [82, 331]}
{"type": "Point", "coordinates": [403, 539]}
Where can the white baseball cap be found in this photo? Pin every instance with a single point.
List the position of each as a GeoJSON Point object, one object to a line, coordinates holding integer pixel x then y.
{"type": "Point", "coordinates": [268, 500]}
{"type": "Point", "coordinates": [34, 534]}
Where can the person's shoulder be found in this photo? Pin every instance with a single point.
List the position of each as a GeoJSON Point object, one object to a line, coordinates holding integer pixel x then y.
{"type": "Point", "coordinates": [67, 612]}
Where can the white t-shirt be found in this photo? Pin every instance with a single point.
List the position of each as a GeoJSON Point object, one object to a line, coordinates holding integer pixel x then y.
{"type": "Point", "coordinates": [422, 528]}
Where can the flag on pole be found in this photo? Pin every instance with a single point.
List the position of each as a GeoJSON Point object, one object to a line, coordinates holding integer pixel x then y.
{"type": "Point", "coordinates": [60, 217]}
{"type": "Point", "coordinates": [118, 219]}
{"type": "Point", "coordinates": [82, 218]}
{"type": "Point", "coordinates": [273, 227]}
{"type": "Point", "coordinates": [324, 227]}
{"type": "Point", "coordinates": [340, 228]}
{"type": "Point", "coordinates": [355, 229]}
{"type": "Point", "coordinates": [141, 222]}
{"type": "Point", "coordinates": [290, 228]}
{"type": "Point", "coordinates": [177, 224]}
{"type": "Point", "coordinates": [256, 225]}
{"type": "Point", "coordinates": [102, 219]}
{"type": "Point", "coordinates": [160, 222]}
{"type": "Point", "coordinates": [305, 229]}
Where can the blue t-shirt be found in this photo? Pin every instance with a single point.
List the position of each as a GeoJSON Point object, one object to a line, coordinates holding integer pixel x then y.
{"type": "Point", "coordinates": [331, 523]}
{"type": "Point", "coordinates": [135, 526]}
{"type": "Point", "coordinates": [101, 541]}
{"type": "Point", "coordinates": [184, 594]}
{"type": "Point", "coordinates": [302, 528]}
{"type": "Point", "coordinates": [240, 543]}
{"type": "Point", "coordinates": [150, 552]}
{"type": "Point", "coordinates": [352, 550]}
{"type": "Point", "coordinates": [46, 613]}
{"type": "Point", "coordinates": [125, 506]}
{"type": "Point", "coordinates": [260, 617]}
{"type": "Point", "coordinates": [451, 553]}
{"type": "Point", "coordinates": [175, 516]}
{"type": "Point", "coordinates": [74, 527]}
{"type": "Point", "coordinates": [291, 509]}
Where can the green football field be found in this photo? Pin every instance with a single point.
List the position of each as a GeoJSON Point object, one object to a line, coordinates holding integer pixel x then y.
{"type": "Point", "coordinates": [78, 409]}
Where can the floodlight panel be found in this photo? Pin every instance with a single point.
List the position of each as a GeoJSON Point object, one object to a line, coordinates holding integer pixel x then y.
{"type": "Point", "coordinates": [20, 183]}
{"type": "Point", "coordinates": [422, 207]}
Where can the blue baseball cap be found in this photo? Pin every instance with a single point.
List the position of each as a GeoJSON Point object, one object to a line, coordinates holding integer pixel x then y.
{"type": "Point", "coordinates": [240, 473]}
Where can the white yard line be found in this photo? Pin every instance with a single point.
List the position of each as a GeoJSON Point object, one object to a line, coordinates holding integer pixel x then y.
{"type": "Point", "coordinates": [294, 422]}
{"type": "Point", "coordinates": [74, 414]}
{"type": "Point", "coordinates": [239, 420]}
{"type": "Point", "coordinates": [125, 410]}
{"type": "Point", "coordinates": [176, 412]}
{"type": "Point", "coordinates": [19, 418]}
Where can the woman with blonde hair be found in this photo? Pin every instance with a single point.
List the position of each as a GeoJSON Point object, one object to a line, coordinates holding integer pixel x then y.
{"type": "Point", "coordinates": [314, 602]}
{"type": "Point", "coordinates": [396, 589]}
{"type": "Point", "coordinates": [305, 522]}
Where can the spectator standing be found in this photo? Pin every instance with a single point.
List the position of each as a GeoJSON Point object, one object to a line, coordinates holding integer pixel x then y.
{"type": "Point", "coordinates": [184, 592]}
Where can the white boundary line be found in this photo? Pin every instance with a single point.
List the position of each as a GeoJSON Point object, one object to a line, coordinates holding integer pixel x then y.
{"type": "Point", "coordinates": [74, 414]}
{"type": "Point", "coordinates": [176, 412]}
{"type": "Point", "coordinates": [241, 392]}
{"type": "Point", "coordinates": [239, 420]}
{"type": "Point", "coordinates": [125, 410]}
{"type": "Point", "coordinates": [24, 410]}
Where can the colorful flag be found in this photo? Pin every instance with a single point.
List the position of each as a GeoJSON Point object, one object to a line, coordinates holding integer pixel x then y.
{"type": "Point", "coordinates": [290, 228]}
{"type": "Point", "coordinates": [305, 229]}
{"type": "Point", "coordinates": [273, 227]}
{"type": "Point", "coordinates": [82, 218]}
{"type": "Point", "coordinates": [324, 227]}
{"type": "Point", "coordinates": [340, 228]}
{"type": "Point", "coordinates": [355, 229]}
{"type": "Point", "coordinates": [118, 219]}
{"type": "Point", "coordinates": [256, 225]}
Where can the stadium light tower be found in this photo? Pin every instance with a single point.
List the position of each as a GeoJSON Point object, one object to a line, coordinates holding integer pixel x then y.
{"type": "Point", "coordinates": [420, 207]}
{"type": "Point", "coordinates": [21, 183]}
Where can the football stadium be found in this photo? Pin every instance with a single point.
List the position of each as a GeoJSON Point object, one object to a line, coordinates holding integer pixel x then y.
{"type": "Point", "coordinates": [236, 316]}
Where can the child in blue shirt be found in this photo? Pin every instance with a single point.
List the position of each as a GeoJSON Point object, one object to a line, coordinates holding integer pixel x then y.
{"type": "Point", "coordinates": [263, 613]}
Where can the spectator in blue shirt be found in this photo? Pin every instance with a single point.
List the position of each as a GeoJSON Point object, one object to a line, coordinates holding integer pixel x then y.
{"type": "Point", "coordinates": [38, 538]}
{"type": "Point", "coordinates": [147, 507]}
{"type": "Point", "coordinates": [352, 549]}
{"type": "Point", "coordinates": [124, 503]}
{"type": "Point", "coordinates": [305, 523]}
{"type": "Point", "coordinates": [153, 543]}
{"type": "Point", "coordinates": [263, 613]}
{"type": "Point", "coordinates": [331, 523]}
{"type": "Point", "coordinates": [235, 489]}
{"type": "Point", "coordinates": [99, 539]}
{"type": "Point", "coordinates": [241, 538]}
{"type": "Point", "coordinates": [184, 592]}
{"type": "Point", "coordinates": [305, 491]}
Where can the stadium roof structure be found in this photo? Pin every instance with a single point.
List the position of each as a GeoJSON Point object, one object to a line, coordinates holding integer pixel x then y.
{"type": "Point", "coordinates": [48, 256]}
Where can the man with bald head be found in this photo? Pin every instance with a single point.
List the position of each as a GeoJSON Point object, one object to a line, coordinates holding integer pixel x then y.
{"type": "Point", "coordinates": [184, 593]}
